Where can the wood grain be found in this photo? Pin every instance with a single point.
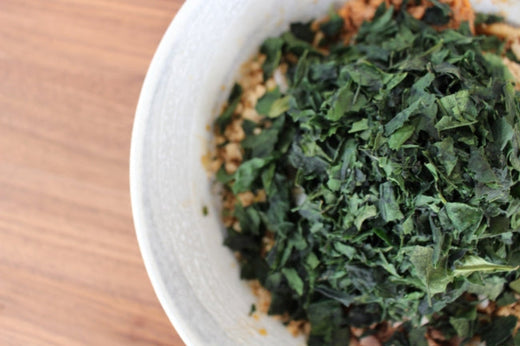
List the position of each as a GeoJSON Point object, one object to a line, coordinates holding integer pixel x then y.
{"type": "Point", "coordinates": [70, 268]}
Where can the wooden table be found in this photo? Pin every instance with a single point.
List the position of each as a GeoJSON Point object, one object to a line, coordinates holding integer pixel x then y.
{"type": "Point", "coordinates": [70, 268]}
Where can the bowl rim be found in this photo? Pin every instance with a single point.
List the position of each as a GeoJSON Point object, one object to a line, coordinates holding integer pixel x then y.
{"type": "Point", "coordinates": [173, 34]}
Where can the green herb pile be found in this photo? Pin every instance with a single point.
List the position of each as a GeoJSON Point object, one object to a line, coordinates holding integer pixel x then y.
{"type": "Point", "coordinates": [391, 168]}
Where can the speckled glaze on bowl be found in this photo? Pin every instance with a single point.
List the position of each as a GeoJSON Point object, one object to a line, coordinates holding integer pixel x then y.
{"type": "Point", "coordinates": [194, 276]}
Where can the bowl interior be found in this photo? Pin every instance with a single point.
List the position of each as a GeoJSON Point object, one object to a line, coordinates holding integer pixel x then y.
{"type": "Point", "coordinates": [195, 277]}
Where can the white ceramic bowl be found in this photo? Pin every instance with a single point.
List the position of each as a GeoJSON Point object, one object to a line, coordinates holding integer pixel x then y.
{"type": "Point", "coordinates": [195, 277]}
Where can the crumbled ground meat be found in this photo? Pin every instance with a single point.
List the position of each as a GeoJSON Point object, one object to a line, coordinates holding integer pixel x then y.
{"type": "Point", "coordinates": [267, 242]}
{"type": "Point", "coordinates": [234, 131]}
{"type": "Point", "coordinates": [296, 327]}
{"type": "Point", "coordinates": [500, 30]}
{"type": "Point", "coordinates": [511, 36]}
{"type": "Point", "coordinates": [355, 12]}
{"type": "Point", "coordinates": [248, 198]}
{"type": "Point", "coordinates": [263, 296]}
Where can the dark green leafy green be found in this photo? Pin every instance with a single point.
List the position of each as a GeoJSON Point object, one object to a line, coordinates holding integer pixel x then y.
{"type": "Point", "coordinates": [392, 177]}
{"type": "Point", "coordinates": [234, 98]}
{"type": "Point", "coordinates": [438, 14]}
{"type": "Point", "coordinates": [491, 18]}
{"type": "Point", "coordinates": [499, 330]}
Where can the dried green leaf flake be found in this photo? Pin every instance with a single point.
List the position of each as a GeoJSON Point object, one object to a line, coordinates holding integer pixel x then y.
{"type": "Point", "coordinates": [398, 138]}
{"type": "Point", "coordinates": [264, 104]}
{"type": "Point", "coordinates": [388, 206]}
{"type": "Point", "coordinates": [294, 280]}
{"type": "Point", "coordinates": [278, 107]}
{"type": "Point", "coordinates": [515, 285]}
{"type": "Point", "coordinates": [472, 264]}
{"type": "Point", "coordinates": [360, 125]}
{"type": "Point", "coordinates": [225, 117]}
{"type": "Point", "coordinates": [464, 218]}
{"type": "Point", "coordinates": [499, 330]}
{"type": "Point", "coordinates": [247, 173]}
{"type": "Point", "coordinates": [435, 279]}
{"type": "Point", "coordinates": [391, 169]}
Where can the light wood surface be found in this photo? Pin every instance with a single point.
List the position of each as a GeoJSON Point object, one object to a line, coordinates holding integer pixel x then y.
{"type": "Point", "coordinates": [70, 268]}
